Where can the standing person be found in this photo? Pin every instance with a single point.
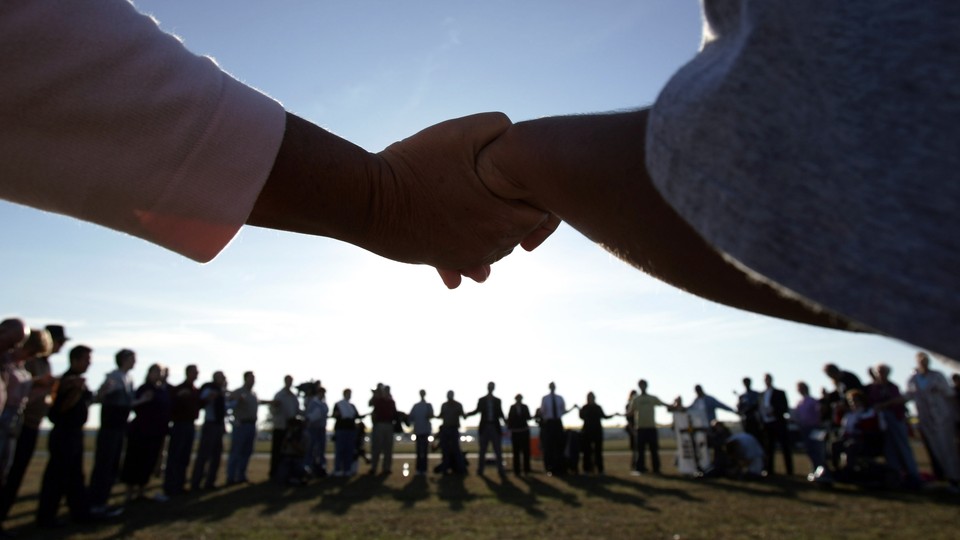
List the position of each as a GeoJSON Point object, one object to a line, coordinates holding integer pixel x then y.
{"type": "Point", "coordinates": [64, 472]}
{"type": "Point", "coordinates": [345, 435]}
{"type": "Point", "coordinates": [936, 412]}
{"type": "Point", "coordinates": [186, 410]}
{"type": "Point", "coordinates": [885, 397]}
{"type": "Point", "coordinates": [18, 382]}
{"type": "Point", "coordinates": [420, 416]}
{"type": "Point", "coordinates": [152, 405]}
{"type": "Point", "coordinates": [552, 409]}
{"type": "Point", "coordinates": [33, 413]}
{"type": "Point", "coordinates": [452, 458]}
{"type": "Point", "coordinates": [631, 429]}
{"type": "Point", "coordinates": [773, 412]}
{"type": "Point", "coordinates": [708, 404]}
{"type": "Point", "coordinates": [807, 417]}
{"type": "Point", "coordinates": [245, 404]}
{"type": "Point", "coordinates": [643, 410]}
{"type": "Point", "coordinates": [490, 429]}
{"type": "Point", "coordinates": [116, 396]}
{"type": "Point", "coordinates": [284, 407]}
{"type": "Point", "coordinates": [748, 407]}
{"type": "Point", "coordinates": [592, 434]}
{"type": "Point", "coordinates": [381, 437]}
{"type": "Point", "coordinates": [213, 399]}
{"type": "Point", "coordinates": [843, 380]}
{"type": "Point", "coordinates": [518, 422]}
{"type": "Point", "coordinates": [316, 413]}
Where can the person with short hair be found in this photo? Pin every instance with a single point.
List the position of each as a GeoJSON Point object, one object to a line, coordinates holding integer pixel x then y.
{"type": "Point", "coordinates": [552, 439]}
{"type": "Point", "coordinates": [518, 422]}
{"type": "Point", "coordinates": [284, 407]}
{"type": "Point", "coordinates": [316, 412]}
{"type": "Point", "coordinates": [643, 409]}
{"type": "Point", "coordinates": [420, 416]}
{"type": "Point", "coordinates": [183, 417]}
{"type": "Point", "coordinates": [381, 436]}
{"type": "Point", "coordinates": [774, 411]}
{"type": "Point", "coordinates": [245, 404]}
{"type": "Point", "coordinates": [206, 464]}
{"type": "Point", "coordinates": [63, 474]}
{"type": "Point", "coordinates": [452, 458]}
{"type": "Point", "coordinates": [115, 396]}
{"type": "Point", "coordinates": [345, 435]}
{"type": "Point", "coordinates": [490, 430]}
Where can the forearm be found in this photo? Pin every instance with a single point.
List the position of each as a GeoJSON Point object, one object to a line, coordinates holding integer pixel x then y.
{"type": "Point", "coordinates": [319, 185]}
{"type": "Point", "coordinates": [590, 171]}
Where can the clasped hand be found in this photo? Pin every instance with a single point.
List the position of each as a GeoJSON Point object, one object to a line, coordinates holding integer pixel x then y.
{"type": "Point", "coordinates": [431, 206]}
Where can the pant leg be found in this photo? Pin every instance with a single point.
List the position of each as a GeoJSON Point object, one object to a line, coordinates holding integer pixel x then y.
{"type": "Point", "coordinates": [897, 451]}
{"type": "Point", "coordinates": [497, 440]}
{"type": "Point", "coordinates": [423, 448]}
{"type": "Point", "coordinates": [52, 485]}
{"type": "Point", "coordinates": [643, 440]}
{"type": "Point", "coordinates": [387, 447]}
{"type": "Point", "coordinates": [344, 447]}
{"type": "Point", "coordinates": [26, 444]}
{"type": "Point", "coordinates": [586, 442]}
{"type": "Point", "coordinates": [654, 441]}
{"type": "Point", "coordinates": [203, 456]}
{"type": "Point", "coordinates": [786, 447]}
{"type": "Point", "coordinates": [598, 455]}
{"type": "Point", "coordinates": [178, 458]}
{"type": "Point", "coordinates": [376, 447]}
{"type": "Point", "coordinates": [234, 457]}
{"type": "Point", "coordinates": [276, 447]}
{"type": "Point", "coordinates": [214, 468]}
{"type": "Point", "coordinates": [249, 437]}
{"type": "Point", "coordinates": [106, 464]}
{"type": "Point", "coordinates": [769, 446]}
{"type": "Point", "coordinates": [484, 442]}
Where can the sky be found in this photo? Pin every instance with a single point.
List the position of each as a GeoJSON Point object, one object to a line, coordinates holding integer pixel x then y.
{"type": "Point", "coordinates": [277, 303]}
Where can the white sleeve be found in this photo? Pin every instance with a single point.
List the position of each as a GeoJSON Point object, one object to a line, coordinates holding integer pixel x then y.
{"type": "Point", "coordinates": [108, 119]}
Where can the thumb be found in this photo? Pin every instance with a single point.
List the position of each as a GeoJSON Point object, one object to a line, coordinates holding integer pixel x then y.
{"type": "Point", "coordinates": [481, 129]}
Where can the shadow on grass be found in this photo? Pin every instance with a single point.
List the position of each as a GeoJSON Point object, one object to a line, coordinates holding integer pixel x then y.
{"type": "Point", "coordinates": [539, 488]}
{"type": "Point", "coordinates": [452, 489]}
{"type": "Point", "coordinates": [416, 490]}
{"type": "Point", "coordinates": [508, 493]}
{"type": "Point", "coordinates": [600, 486]}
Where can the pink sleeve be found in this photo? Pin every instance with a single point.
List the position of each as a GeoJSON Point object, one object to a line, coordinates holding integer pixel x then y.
{"type": "Point", "coordinates": [108, 119]}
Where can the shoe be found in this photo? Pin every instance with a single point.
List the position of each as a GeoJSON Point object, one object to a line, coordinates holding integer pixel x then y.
{"type": "Point", "coordinates": [160, 498]}
{"type": "Point", "coordinates": [636, 473]}
{"type": "Point", "coordinates": [106, 512]}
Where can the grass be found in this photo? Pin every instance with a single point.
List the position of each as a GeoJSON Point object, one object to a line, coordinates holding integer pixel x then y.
{"type": "Point", "coordinates": [538, 506]}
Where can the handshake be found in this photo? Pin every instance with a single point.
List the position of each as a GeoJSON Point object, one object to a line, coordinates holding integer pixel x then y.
{"type": "Point", "coordinates": [437, 198]}
{"type": "Point", "coordinates": [452, 208]}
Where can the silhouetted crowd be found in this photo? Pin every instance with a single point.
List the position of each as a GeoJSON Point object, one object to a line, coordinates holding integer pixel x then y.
{"type": "Point", "coordinates": [857, 433]}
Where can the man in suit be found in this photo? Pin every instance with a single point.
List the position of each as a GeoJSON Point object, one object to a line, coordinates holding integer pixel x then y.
{"type": "Point", "coordinates": [748, 405]}
{"type": "Point", "coordinates": [773, 412]}
{"type": "Point", "coordinates": [518, 422]}
{"type": "Point", "coordinates": [490, 429]}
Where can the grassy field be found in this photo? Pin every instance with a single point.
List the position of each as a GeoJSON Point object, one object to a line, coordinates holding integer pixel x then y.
{"type": "Point", "coordinates": [536, 506]}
